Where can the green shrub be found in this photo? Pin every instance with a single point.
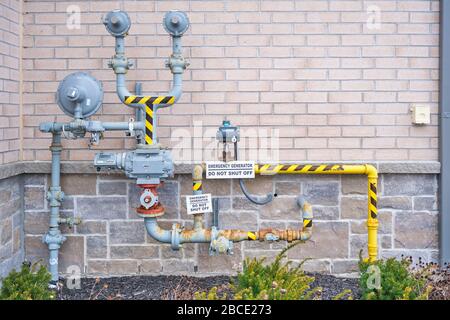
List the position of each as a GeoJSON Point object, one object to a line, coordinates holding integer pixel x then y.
{"type": "Point", "coordinates": [396, 280]}
{"type": "Point", "coordinates": [275, 281]}
{"type": "Point", "coordinates": [30, 283]}
{"type": "Point", "coordinates": [210, 295]}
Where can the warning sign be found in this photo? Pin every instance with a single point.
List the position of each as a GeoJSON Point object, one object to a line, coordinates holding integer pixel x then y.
{"type": "Point", "coordinates": [200, 203]}
{"type": "Point", "coordinates": [230, 170]}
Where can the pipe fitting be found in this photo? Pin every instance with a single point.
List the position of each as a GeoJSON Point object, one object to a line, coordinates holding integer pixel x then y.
{"type": "Point", "coordinates": [55, 196]}
{"type": "Point", "coordinates": [220, 243]}
{"type": "Point", "coordinates": [54, 239]}
{"type": "Point", "coordinates": [177, 63]}
{"type": "Point", "coordinates": [120, 64]}
{"type": "Point", "coordinates": [175, 239]}
{"type": "Point", "coordinates": [371, 171]}
{"type": "Point", "coordinates": [70, 222]}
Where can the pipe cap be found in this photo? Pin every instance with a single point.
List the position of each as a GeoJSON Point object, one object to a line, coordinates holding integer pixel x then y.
{"type": "Point", "coordinates": [117, 23]}
{"type": "Point", "coordinates": [176, 23]}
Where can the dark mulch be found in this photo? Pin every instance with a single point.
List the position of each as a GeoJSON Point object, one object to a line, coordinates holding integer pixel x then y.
{"type": "Point", "coordinates": [439, 280]}
{"type": "Point", "coordinates": [177, 287]}
{"type": "Point", "coordinates": [141, 287]}
{"type": "Point", "coordinates": [332, 286]}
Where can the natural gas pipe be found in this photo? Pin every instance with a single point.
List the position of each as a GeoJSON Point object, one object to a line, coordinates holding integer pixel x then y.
{"type": "Point", "coordinates": [221, 241]}
{"type": "Point", "coordinates": [228, 134]}
{"type": "Point", "coordinates": [80, 96]}
{"type": "Point", "coordinates": [340, 169]}
{"type": "Point", "coordinates": [176, 24]}
{"type": "Point", "coordinates": [149, 163]}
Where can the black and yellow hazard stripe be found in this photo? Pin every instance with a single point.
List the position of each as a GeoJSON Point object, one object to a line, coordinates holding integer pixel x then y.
{"type": "Point", "coordinates": [373, 199]}
{"type": "Point", "coordinates": [197, 186]}
{"type": "Point", "coordinates": [307, 223]}
{"type": "Point", "coordinates": [149, 100]}
{"type": "Point", "coordinates": [298, 168]}
{"type": "Point", "coordinates": [149, 124]}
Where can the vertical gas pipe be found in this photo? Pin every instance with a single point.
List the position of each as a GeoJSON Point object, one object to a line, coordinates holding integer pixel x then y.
{"type": "Point", "coordinates": [117, 24]}
{"type": "Point", "coordinates": [55, 196]}
{"type": "Point", "coordinates": [372, 217]}
{"type": "Point", "coordinates": [197, 175]}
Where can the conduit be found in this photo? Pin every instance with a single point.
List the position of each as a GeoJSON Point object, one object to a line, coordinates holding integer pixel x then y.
{"type": "Point", "coordinates": [341, 169]}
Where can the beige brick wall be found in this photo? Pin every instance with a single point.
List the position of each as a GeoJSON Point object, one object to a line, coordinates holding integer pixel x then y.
{"type": "Point", "coordinates": [335, 85]}
{"type": "Point", "coordinates": [9, 81]}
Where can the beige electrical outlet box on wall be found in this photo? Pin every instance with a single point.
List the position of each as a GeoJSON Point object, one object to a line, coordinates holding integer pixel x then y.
{"type": "Point", "coordinates": [420, 114]}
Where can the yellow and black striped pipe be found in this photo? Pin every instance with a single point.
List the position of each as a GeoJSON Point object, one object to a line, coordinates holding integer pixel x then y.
{"type": "Point", "coordinates": [196, 186]}
{"type": "Point", "coordinates": [149, 124]}
{"type": "Point", "coordinates": [344, 169]}
{"type": "Point", "coordinates": [149, 100]}
{"type": "Point", "coordinates": [270, 169]}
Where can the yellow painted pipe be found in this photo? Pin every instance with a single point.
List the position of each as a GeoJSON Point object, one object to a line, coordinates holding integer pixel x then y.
{"type": "Point", "coordinates": [197, 176]}
{"type": "Point", "coordinates": [344, 169]}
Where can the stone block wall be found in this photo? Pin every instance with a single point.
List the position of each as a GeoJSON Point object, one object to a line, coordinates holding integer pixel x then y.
{"type": "Point", "coordinates": [112, 239]}
{"type": "Point", "coordinates": [11, 224]}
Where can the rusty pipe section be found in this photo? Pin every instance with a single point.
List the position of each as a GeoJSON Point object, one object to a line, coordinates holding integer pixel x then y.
{"type": "Point", "coordinates": [290, 235]}
{"type": "Point", "coordinates": [221, 240]}
{"type": "Point", "coordinates": [190, 235]}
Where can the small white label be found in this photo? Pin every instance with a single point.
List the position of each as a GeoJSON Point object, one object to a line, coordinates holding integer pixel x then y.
{"type": "Point", "coordinates": [200, 203]}
{"type": "Point", "coordinates": [230, 170]}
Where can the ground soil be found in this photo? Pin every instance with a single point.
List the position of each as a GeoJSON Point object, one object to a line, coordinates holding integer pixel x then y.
{"type": "Point", "coordinates": [178, 287]}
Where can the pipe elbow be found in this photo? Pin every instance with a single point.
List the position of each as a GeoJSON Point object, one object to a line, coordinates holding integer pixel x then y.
{"type": "Point", "coordinates": [175, 92]}
{"type": "Point", "coordinates": [306, 234]}
{"type": "Point", "coordinates": [371, 171]}
{"type": "Point", "coordinates": [305, 208]}
{"type": "Point", "coordinates": [156, 232]}
{"type": "Point", "coordinates": [122, 90]}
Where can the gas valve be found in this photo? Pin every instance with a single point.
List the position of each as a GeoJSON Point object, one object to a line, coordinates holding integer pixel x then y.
{"type": "Point", "coordinates": [219, 244]}
{"type": "Point", "coordinates": [228, 134]}
{"type": "Point", "coordinates": [149, 203]}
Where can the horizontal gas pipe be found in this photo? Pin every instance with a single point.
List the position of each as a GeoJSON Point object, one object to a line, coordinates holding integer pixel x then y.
{"type": "Point", "coordinates": [200, 235]}
{"type": "Point", "coordinates": [341, 169]}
